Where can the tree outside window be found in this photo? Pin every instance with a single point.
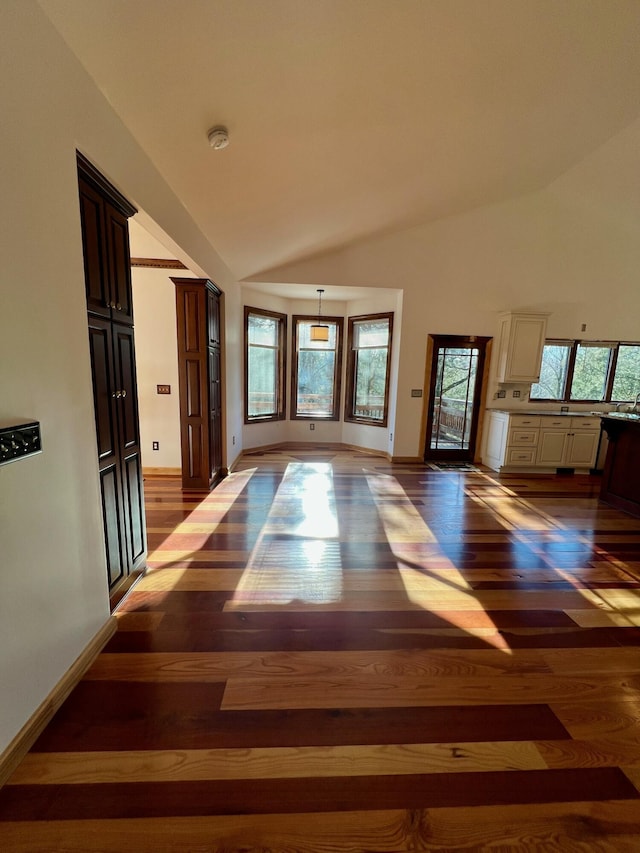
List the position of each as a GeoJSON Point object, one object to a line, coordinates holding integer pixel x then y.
{"type": "Point", "coordinates": [265, 336]}
{"type": "Point", "coordinates": [626, 383]}
{"type": "Point", "coordinates": [368, 368]}
{"type": "Point", "coordinates": [588, 371]}
{"type": "Point", "coordinates": [316, 370]}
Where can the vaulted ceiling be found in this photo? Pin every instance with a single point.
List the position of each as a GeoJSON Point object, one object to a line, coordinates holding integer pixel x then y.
{"type": "Point", "coordinates": [350, 118]}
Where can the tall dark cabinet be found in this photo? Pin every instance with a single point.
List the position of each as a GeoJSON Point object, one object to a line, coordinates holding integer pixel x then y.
{"type": "Point", "coordinates": [198, 320]}
{"type": "Point", "coordinates": [105, 239]}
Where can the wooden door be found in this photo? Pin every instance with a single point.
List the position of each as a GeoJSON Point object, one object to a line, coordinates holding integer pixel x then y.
{"type": "Point", "coordinates": [94, 245]}
{"type": "Point", "coordinates": [119, 255]}
{"type": "Point", "coordinates": [107, 436]}
{"type": "Point", "coordinates": [198, 321]}
{"type": "Point", "coordinates": [455, 392]}
{"type": "Point", "coordinates": [129, 442]}
{"type": "Point", "coordinates": [105, 239]}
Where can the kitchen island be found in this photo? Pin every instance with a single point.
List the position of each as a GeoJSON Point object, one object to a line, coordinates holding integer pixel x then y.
{"type": "Point", "coordinates": [621, 476]}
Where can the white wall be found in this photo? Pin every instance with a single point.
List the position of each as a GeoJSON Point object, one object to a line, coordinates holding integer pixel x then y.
{"type": "Point", "coordinates": [154, 307]}
{"type": "Point", "coordinates": [53, 590]}
{"type": "Point", "coordinates": [570, 250]}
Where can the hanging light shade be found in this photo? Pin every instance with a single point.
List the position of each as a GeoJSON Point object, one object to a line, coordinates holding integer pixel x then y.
{"type": "Point", "coordinates": [320, 331]}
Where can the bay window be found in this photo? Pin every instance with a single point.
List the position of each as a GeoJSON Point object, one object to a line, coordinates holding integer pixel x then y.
{"type": "Point", "coordinates": [265, 348]}
{"type": "Point", "coordinates": [316, 368]}
{"type": "Point", "coordinates": [368, 360]}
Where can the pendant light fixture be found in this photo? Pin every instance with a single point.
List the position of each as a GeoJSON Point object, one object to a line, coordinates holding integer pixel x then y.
{"type": "Point", "coordinates": [320, 331]}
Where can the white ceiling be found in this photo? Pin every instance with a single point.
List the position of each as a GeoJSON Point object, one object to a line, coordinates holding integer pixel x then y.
{"type": "Point", "coordinates": [355, 117]}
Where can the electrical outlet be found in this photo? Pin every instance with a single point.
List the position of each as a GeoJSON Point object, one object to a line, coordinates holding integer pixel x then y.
{"type": "Point", "coordinates": [312, 426]}
{"type": "Point", "coordinates": [516, 393]}
{"type": "Point", "coordinates": [390, 436]}
{"type": "Point", "coordinates": [155, 445]}
{"type": "Point", "coordinates": [501, 393]}
{"type": "Point", "coordinates": [233, 439]}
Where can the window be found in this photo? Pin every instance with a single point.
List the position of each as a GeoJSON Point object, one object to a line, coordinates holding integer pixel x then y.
{"type": "Point", "coordinates": [588, 371]}
{"type": "Point", "coordinates": [553, 373]}
{"type": "Point", "coordinates": [315, 384]}
{"type": "Point", "coordinates": [626, 382]}
{"type": "Point", "coordinates": [368, 369]}
{"type": "Point", "coordinates": [265, 336]}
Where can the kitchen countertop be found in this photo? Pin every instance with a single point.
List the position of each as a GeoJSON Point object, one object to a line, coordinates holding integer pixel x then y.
{"type": "Point", "coordinates": [547, 413]}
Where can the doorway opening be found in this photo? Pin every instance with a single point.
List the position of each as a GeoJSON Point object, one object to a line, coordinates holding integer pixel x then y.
{"type": "Point", "coordinates": [456, 386]}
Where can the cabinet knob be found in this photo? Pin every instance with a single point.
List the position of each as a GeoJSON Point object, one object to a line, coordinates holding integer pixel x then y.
{"type": "Point", "coordinates": [117, 394]}
{"type": "Point", "coordinates": [119, 307]}
{"type": "Point", "coordinates": [124, 392]}
{"type": "Point", "coordinates": [112, 304]}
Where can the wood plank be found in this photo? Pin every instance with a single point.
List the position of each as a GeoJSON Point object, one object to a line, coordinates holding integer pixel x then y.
{"type": "Point", "coordinates": [103, 715]}
{"type": "Point", "coordinates": [602, 827]}
{"type": "Point", "coordinates": [71, 768]}
{"type": "Point", "coordinates": [394, 692]}
{"type": "Point", "coordinates": [311, 794]}
{"type": "Point", "coordinates": [197, 666]}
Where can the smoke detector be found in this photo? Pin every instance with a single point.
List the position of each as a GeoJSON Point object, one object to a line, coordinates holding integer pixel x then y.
{"type": "Point", "coordinates": [218, 138]}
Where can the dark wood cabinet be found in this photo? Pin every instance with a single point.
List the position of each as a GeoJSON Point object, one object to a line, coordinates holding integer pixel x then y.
{"type": "Point", "coordinates": [198, 320]}
{"type": "Point", "coordinates": [105, 242]}
{"type": "Point", "coordinates": [112, 351]}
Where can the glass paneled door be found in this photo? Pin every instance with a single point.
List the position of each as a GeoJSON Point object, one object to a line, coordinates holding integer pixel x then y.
{"type": "Point", "coordinates": [457, 368]}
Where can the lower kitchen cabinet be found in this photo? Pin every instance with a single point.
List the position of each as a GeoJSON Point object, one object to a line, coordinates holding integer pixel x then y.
{"type": "Point", "coordinates": [518, 442]}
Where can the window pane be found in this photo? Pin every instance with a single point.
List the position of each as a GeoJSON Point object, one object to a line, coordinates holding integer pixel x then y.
{"type": "Point", "coordinates": [553, 373]}
{"type": "Point", "coordinates": [263, 330]}
{"type": "Point", "coordinates": [316, 370]}
{"type": "Point", "coordinates": [265, 335]}
{"type": "Point", "coordinates": [590, 373]}
{"type": "Point", "coordinates": [371, 333]}
{"type": "Point", "coordinates": [371, 374]}
{"type": "Point", "coordinates": [626, 384]}
{"type": "Point", "coordinates": [261, 398]}
{"type": "Point", "coordinates": [304, 335]}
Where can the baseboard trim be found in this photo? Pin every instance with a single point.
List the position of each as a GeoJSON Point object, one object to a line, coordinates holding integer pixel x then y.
{"type": "Point", "coordinates": [13, 754]}
{"type": "Point", "coordinates": [162, 472]}
{"type": "Point", "coordinates": [234, 463]}
{"type": "Point", "coordinates": [408, 460]}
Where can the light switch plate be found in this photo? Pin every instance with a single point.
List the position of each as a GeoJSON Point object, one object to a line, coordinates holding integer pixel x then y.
{"type": "Point", "coordinates": [164, 389]}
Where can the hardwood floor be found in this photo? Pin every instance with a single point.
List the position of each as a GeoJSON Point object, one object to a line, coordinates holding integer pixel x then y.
{"type": "Point", "coordinates": [333, 653]}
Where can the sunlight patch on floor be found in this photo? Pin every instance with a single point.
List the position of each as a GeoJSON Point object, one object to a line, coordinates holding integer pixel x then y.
{"type": "Point", "coordinates": [404, 526]}
{"type": "Point", "coordinates": [297, 556]}
{"type": "Point", "coordinates": [165, 556]}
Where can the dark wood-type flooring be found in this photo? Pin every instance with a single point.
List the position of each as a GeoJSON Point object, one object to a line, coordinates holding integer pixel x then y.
{"type": "Point", "coordinates": [333, 653]}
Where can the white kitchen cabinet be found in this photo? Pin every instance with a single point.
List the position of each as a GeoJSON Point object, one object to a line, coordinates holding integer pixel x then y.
{"type": "Point", "coordinates": [582, 446]}
{"type": "Point", "coordinates": [568, 442]}
{"type": "Point", "coordinates": [551, 447]}
{"type": "Point", "coordinates": [520, 442]}
{"type": "Point", "coordinates": [520, 343]}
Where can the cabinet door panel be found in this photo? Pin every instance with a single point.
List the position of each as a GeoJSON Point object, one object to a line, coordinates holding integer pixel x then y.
{"type": "Point", "coordinates": [92, 216]}
{"type": "Point", "coordinates": [581, 449]}
{"type": "Point", "coordinates": [125, 371]}
{"type": "Point", "coordinates": [551, 447]}
{"type": "Point", "coordinates": [115, 543]}
{"type": "Point", "coordinates": [101, 352]}
{"type": "Point", "coordinates": [213, 319]}
{"type": "Point", "coordinates": [134, 506]}
{"type": "Point", "coordinates": [119, 264]}
{"type": "Point", "coordinates": [215, 415]}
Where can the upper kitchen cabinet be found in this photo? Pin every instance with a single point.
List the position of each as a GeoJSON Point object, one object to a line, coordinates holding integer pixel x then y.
{"type": "Point", "coordinates": [520, 343]}
{"type": "Point", "coordinates": [106, 246]}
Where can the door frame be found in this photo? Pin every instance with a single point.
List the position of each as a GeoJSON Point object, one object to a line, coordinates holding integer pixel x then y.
{"type": "Point", "coordinates": [480, 397]}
